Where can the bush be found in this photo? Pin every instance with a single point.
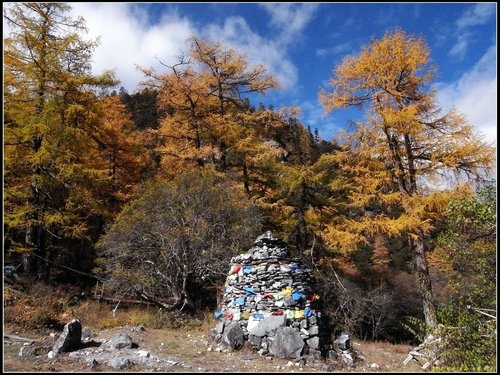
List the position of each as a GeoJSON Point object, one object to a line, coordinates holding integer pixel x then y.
{"type": "Point", "coordinates": [176, 237]}
{"type": "Point", "coordinates": [468, 243]}
{"type": "Point", "coordinates": [470, 340]}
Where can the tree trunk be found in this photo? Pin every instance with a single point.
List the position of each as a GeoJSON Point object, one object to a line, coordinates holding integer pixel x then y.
{"type": "Point", "coordinates": [185, 299]}
{"type": "Point", "coordinates": [424, 281]}
{"type": "Point", "coordinates": [246, 178]}
{"type": "Point", "coordinates": [301, 223]}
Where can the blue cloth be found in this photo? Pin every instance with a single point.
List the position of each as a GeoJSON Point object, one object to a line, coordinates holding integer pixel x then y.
{"type": "Point", "coordinates": [258, 316]}
{"type": "Point", "coordinates": [240, 301]}
{"type": "Point", "coordinates": [247, 269]}
{"type": "Point", "coordinates": [218, 314]}
{"type": "Point", "coordinates": [308, 313]}
{"type": "Point", "coordinates": [250, 291]}
{"type": "Point", "coordinates": [297, 296]}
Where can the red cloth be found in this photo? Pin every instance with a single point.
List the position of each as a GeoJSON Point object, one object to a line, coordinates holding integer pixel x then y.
{"type": "Point", "coordinates": [236, 268]}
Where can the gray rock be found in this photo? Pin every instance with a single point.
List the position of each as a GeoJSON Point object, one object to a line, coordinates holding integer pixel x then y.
{"type": "Point", "coordinates": [219, 328]}
{"type": "Point", "coordinates": [289, 302]}
{"type": "Point", "coordinates": [70, 338]}
{"type": "Point", "coordinates": [312, 320]}
{"type": "Point", "coordinates": [87, 333]}
{"type": "Point", "coordinates": [120, 363]}
{"type": "Point", "coordinates": [267, 325]}
{"type": "Point", "coordinates": [314, 355]}
{"type": "Point", "coordinates": [343, 342]}
{"type": "Point", "coordinates": [333, 355]}
{"type": "Point", "coordinates": [313, 330]}
{"type": "Point", "coordinates": [347, 359]}
{"type": "Point", "coordinates": [120, 341]}
{"type": "Point", "coordinates": [256, 341]}
{"type": "Point", "coordinates": [33, 349]}
{"type": "Point", "coordinates": [91, 362]}
{"type": "Point", "coordinates": [287, 344]}
{"type": "Point", "coordinates": [313, 342]}
{"type": "Point", "coordinates": [137, 329]}
{"type": "Point", "coordinates": [233, 335]}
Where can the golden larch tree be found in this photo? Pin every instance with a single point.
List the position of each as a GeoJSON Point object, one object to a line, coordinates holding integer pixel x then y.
{"type": "Point", "coordinates": [399, 158]}
{"type": "Point", "coordinates": [48, 122]}
{"type": "Point", "coordinates": [184, 138]}
{"type": "Point", "coordinates": [208, 116]}
{"type": "Point", "coordinates": [121, 151]}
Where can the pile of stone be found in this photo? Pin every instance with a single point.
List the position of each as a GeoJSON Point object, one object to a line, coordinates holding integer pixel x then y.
{"type": "Point", "coordinates": [269, 301]}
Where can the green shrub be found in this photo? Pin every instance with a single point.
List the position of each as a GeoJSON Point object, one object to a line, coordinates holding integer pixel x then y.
{"type": "Point", "coordinates": [470, 340]}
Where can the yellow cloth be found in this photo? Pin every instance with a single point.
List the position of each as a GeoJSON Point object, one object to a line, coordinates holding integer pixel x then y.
{"type": "Point", "coordinates": [298, 314]}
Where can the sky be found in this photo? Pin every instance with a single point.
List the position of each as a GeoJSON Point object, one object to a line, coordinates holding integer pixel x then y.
{"type": "Point", "coordinates": [301, 44]}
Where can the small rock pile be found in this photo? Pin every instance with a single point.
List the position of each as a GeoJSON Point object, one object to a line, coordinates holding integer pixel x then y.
{"type": "Point", "coordinates": [269, 301]}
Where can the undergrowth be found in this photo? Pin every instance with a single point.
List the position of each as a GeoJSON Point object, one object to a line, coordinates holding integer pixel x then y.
{"type": "Point", "coordinates": [46, 307]}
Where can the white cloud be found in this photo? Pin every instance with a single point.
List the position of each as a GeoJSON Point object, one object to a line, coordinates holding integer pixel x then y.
{"type": "Point", "coordinates": [126, 39]}
{"type": "Point", "coordinates": [290, 18]}
{"type": "Point", "coordinates": [236, 32]}
{"type": "Point", "coordinates": [460, 47]}
{"type": "Point", "coordinates": [321, 52]}
{"type": "Point", "coordinates": [479, 15]}
{"type": "Point", "coordinates": [475, 96]}
{"type": "Point", "coordinates": [338, 49]}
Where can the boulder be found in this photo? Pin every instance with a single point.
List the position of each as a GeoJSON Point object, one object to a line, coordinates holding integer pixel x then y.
{"type": "Point", "coordinates": [70, 338]}
{"type": "Point", "coordinates": [120, 363]}
{"type": "Point", "coordinates": [120, 341]}
{"type": "Point", "coordinates": [265, 326]}
{"type": "Point", "coordinates": [287, 344]}
{"type": "Point", "coordinates": [233, 335]}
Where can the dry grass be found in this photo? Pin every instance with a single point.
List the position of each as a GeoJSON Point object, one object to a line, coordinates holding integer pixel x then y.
{"type": "Point", "coordinates": [46, 307]}
{"type": "Point", "coordinates": [36, 314]}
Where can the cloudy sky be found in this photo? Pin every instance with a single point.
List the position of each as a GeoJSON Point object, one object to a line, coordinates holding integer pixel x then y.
{"type": "Point", "coordinates": [300, 43]}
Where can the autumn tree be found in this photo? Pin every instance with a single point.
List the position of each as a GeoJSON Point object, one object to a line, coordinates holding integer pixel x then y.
{"type": "Point", "coordinates": [48, 118]}
{"type": "Point", "coordinates": [183, 135]}
{"type": "Point", "coordinates": [120, 150]}
{"type": "Point", "coordinates": [229, 78]}
{"type": "Point", "coordinates": [394, 161]}
{"type": "Point", "coordinates": [206, 112]}
{"type": "Point", "coordinates": [177, 236]}
{"type": "Point", "coordinates": [301, 190]}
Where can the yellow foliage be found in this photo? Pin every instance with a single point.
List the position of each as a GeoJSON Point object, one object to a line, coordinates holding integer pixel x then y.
{"type": "Point", "coordinates": [393, 163]}
{"type": "Point", "coordinates": [207, 121]}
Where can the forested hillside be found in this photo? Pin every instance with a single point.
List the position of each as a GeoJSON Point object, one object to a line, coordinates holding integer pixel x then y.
{"type": "Point", "coordinates": [149, 194]}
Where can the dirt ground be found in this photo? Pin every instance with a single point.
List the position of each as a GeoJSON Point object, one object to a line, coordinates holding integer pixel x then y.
{"type": "Point", "coordinates": [190, 350]}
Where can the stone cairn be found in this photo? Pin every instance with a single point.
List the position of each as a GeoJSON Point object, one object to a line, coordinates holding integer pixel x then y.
{"type": "Point", "coordinates": [269, 302]}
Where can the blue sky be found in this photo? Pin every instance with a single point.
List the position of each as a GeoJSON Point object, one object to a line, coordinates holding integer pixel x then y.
{"type": "Point", "coordinates": [300, 43]}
